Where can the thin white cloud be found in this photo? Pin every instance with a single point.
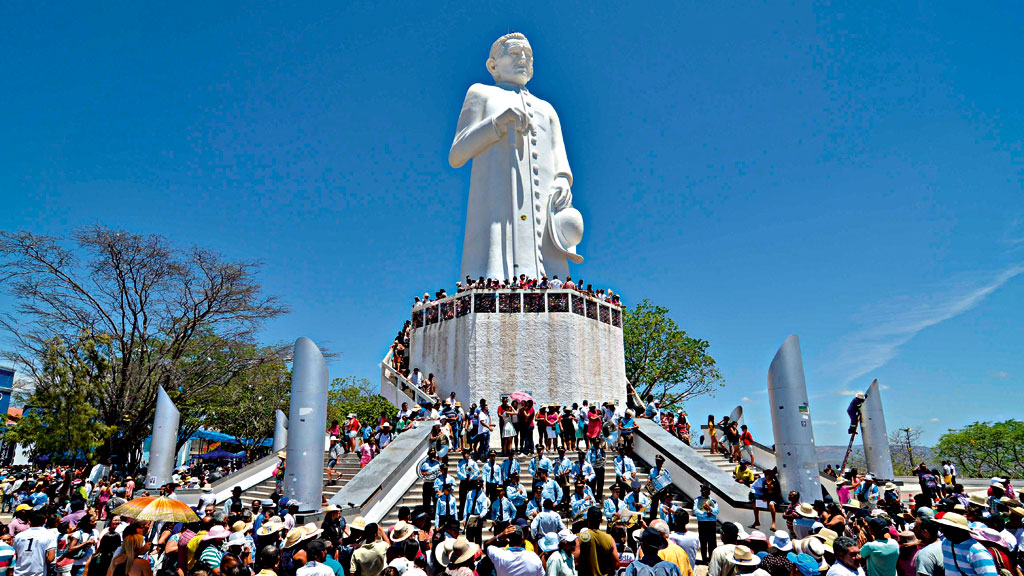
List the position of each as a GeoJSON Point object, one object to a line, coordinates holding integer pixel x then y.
{"type": "Point", "coordinates": [933, 419]}
{"type": "Point", "coordinates": [883, 386]}
{"type": "Point", "coordinates": [890, 325]}
{"type": "Point", "coordinates": [1001, 374]}
{"type": "Point", "coordinates": [745, 399]}
{"type": "Point", "coordinates": [847, 392]}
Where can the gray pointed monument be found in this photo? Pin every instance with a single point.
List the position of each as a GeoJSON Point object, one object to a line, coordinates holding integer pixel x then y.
{"type": "Point", "coordinates": [164, 444]}
{"type": "Point", "coordinates": [795, 452]}
{"type": "Point", "coordinates": [280, 431]}
{"type": "Point", "coordinates": [875, 435]}
{"type": "Point", "coordinates": [307, 421]}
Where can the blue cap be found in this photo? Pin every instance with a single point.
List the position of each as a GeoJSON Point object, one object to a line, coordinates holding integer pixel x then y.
{"type": "Point", "coordinates": [805, 563]}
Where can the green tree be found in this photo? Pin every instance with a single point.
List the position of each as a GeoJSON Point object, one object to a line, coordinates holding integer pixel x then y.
{"type": "Point", "coordinates": [985, 449]}
{"type": "Point", "coordinates": [60, 416]}
{"type": "Point", "coordinates": [356, 395]}
{"type": "Point", "coordinates": [664, 361]}
{"type": "Point", "coordinates": [177, 318]}
{"type": "Point", "coordinates": [246, 407]}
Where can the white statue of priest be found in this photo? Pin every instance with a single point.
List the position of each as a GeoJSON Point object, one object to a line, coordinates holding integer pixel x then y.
{"type": "Point", "coordinates": [520, 218]}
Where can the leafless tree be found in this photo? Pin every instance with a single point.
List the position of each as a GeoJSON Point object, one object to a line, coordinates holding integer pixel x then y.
{"type": "Point", "coordinates": [183, 319]}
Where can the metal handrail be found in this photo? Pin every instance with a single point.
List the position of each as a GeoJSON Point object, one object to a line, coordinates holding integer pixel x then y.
{"type": "Point", "coordinates": [400, 380]}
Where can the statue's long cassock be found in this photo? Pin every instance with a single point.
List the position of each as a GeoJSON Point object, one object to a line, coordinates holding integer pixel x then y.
{"type": "Point", "coordinates": [509, 191]}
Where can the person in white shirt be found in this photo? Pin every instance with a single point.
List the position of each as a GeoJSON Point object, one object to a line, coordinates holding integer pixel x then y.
{"type": "Point", "coordinates": [483, 435]}
{"type": "Point", "coordinates": [556, 284]}
{"type": "Point", "coordinates": [416, 377]}
{"type": "Point", "coordinates": [34, 548]}
{"type": "Point", "coordinates": [514, 560]}
{"type": "Point", "coordinates": [847, 558]}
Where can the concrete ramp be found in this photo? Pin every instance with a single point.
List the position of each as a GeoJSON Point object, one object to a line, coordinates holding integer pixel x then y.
{"type": "Point", "coordinates": [690, 469]}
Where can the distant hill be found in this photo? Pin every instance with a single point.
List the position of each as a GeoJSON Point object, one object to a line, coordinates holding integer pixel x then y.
{"type": "Point", "coordinates": [834, 454]}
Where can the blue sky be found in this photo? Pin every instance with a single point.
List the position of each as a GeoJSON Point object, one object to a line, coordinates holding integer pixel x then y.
{"type": "Point", "coordinates": [849, 172]}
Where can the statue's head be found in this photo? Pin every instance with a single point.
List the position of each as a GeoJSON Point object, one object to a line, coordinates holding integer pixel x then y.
{"type": "Point", "coordinates": [511, 59]}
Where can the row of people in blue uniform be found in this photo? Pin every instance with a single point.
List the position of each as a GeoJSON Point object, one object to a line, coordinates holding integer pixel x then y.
{"type": "Point", "coordinates": [493, 490]}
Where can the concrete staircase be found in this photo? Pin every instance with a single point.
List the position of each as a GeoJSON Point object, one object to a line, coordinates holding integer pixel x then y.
{"type": "Point", "coordinates": [347, 467]}
{"type": "Point", "coordinates": [719, 460]}
{"type": "Point", "coordinates": [414, 496]}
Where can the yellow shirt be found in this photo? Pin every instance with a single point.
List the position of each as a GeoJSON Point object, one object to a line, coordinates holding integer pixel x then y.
{"type": "Point", "coordinates": [675, 555]}
{"type": "Point", "coordinates": [747, 476]}
{"type": "Point", "coordinates": [190, 554]}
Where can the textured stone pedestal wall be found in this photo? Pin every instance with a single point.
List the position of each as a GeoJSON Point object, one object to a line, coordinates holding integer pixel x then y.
{"type": "Point", "coordinates": [559, 346]}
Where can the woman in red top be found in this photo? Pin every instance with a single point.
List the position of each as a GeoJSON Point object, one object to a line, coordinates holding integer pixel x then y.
{"type": "Point", "coordinates": [593, 426]}
{"type": "Point", "coordinates": [352, 427]}
{"type": "Point", "coordinates": [553, 419]}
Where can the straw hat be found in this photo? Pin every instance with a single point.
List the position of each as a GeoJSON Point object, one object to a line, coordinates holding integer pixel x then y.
{"type": "Point", "coordinates": [271, 526]}
{"type": "Point", "coordinates": [978, 499]}
{"type": "Point", "coordinates": [402, 531]}
{"type": "Point", "coordinates": [282, 454]}
{"type": "Point", "coordinates": [309, 530]}
{"type": "Point", "coordinates": [455, 551]}
{"type": "Point", "coordinates": [741, 555]}
{"type": "Point", "coordinates": [332, 508]}
{"type": "Point", "coordinates": [241, 526]}
{"type": "Point", "coordinates": [908, 539]}
{"type": "Point", "coordinates": [954, 520]}
{"type": "Point", "coordinates": [827, 537]}
{"type": "Point", "coordinates": [815, 549]}
{"type": "Point", "coordinates": [358, 524]}
{"type": "Point", "coordinates": [889, 486]}
{"type": "Point", "coordinates": [293, 537]}
{"type": "Point", "coordinates": [806, 509]}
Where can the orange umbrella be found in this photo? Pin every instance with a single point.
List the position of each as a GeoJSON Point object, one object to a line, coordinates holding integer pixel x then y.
{"type": "Point", "coordinates": [157, 509]}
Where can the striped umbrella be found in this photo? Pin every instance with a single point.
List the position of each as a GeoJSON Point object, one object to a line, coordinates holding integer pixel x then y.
{"type": "Point", "coordinates": [157, 509]}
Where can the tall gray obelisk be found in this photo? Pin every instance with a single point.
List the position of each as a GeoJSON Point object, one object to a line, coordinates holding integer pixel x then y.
{"type": "Point", "coordinates": [876, 437]}
{"type": "Point", "coordinates": [280, 431]}
{"type": "Point", "coordinates": [795, 453]}
{"type": "Point", "coordinates": [307, 423]}
{"type": "Point", "coordinates": [163, 446]}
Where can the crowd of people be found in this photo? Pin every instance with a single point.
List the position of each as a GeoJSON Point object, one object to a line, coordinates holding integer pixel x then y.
{"type": "Point", "coordinates": [572, 522]}
{"type": "Point", "coordinates": [521, 283]}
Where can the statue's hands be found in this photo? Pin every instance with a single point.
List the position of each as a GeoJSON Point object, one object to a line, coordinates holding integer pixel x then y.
{"type": "Point", "coordinates": [513, 116]}
{"type": "Point", "coordinates": [563, 193]}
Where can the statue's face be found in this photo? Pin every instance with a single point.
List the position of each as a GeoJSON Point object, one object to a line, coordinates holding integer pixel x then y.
{"type": "Point", "coordinates": [515, 64]}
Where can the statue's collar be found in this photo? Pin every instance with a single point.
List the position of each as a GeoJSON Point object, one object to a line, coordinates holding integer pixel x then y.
{"type": "Point", "coordinates": [513, 87]}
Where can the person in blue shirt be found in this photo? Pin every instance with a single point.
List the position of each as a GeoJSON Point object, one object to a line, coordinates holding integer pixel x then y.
{"type": "Point", "coordinates": [502, 513]}
{"type": "Point", "coordinates": [636, 500]}
{"type": "Point", "coordinates": [491, 474]}
{"type": "Point", "coordinates": [595, 457]}
{"type": "Point", "coordinates": [536, 504]}
{"type": "Point", "coordinates": [614, 505]}
{"type": "Point", "coordinates": [561, 469]}
{"type": "Point", "coordinates": [447, 508]}
{"type": "Point", "coordinates": [705, 508]}
{"type": "Point", "coordinates": [477, 506]}
{"type": "Point", "coordinates": [509, 466]}
{"type": "Point", "coordinates": [580, 502]}
{"type": "Point", "coordinates": [625, 469]}
{"type": "Point", "coordinates": [660, 475]}
{"type": "Point", "coordinates": [539, 461]}
{"type": "Point", "coordinates": [627, 425]}
{"type": "Point", "coordinates": [443, 479]}
{"type": "Point", "coordinates": [549, 488]}
{"type": "Point", "coordinates": [516, 492]}
{"type": "Point", "coordinates": [467, 470]}
{"type": "Point", "coordinates": [428, 468]}
{"type": "Point", "coordinates": [582, 468]}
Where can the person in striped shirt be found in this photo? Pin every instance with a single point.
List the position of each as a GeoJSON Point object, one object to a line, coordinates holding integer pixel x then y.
{"type": "Point", "coordinates": [6, 554]}
{"type": "Point", "coordinates": [961, 553]}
